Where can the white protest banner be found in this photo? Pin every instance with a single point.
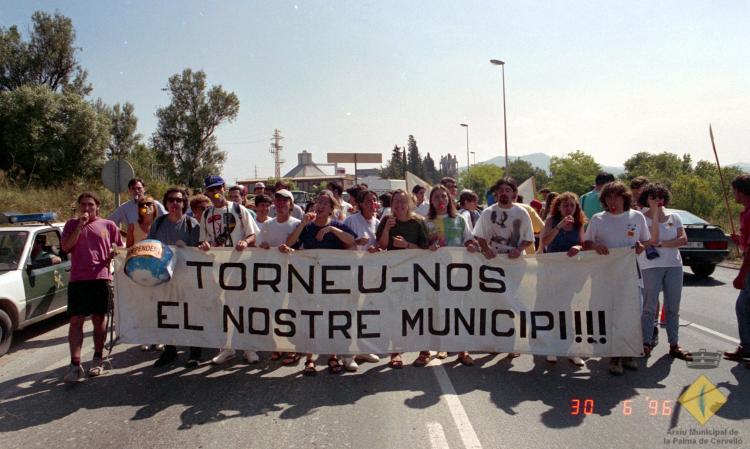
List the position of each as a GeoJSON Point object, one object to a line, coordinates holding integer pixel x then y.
{"type": "Point", "coordinates": [348, 302]}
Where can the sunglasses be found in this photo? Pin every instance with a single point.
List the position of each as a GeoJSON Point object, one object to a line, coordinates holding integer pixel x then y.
{"type": "Point", "coordinates": [174, 199]}
{"type": "Point", "coordinates": [149, 204]}
{"type": "Point", "coordinates": [201, 208]}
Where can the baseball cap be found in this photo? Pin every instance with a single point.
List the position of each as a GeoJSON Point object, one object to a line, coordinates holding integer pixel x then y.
{"type": "Point", "coordinates": [213, 181]}
{"type": "Point", "coordinates": [285, 193]}
{"type": "Point", "coordinates": [260, 185]}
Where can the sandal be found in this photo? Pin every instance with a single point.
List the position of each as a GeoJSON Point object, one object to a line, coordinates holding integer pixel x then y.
{"type": "Point", "coordinates": [423, 359]}
{"type": "Point", "coordinates": [396, 362]}
{"type": "Point", "coordinates": [441, 355]}
{"type": "Point", "coordinates": [290, 358]}
{"type": "Point", "coordinates": [465, 359]}
{"type": "Point", "coordinates": [309, 368]}
{"type": "Point", "coordinates": [275, 356]}
{"type": "Point", "coordinates": [677, 352]}
{"type": "Point", "coordinates": [334, 367]}
{"type": "Point", "coordinates": [647, 348]}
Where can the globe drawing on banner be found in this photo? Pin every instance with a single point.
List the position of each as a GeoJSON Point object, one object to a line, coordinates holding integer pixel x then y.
{"type": "Point", "coordinates": [150, 263]}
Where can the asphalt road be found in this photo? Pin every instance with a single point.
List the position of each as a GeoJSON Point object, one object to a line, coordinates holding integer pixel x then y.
{"type": "Point", "coordinates": [501, 402]}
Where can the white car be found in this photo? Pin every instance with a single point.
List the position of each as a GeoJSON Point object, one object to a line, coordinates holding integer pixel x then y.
{"type": "Point", "coordinates": [34, 272]}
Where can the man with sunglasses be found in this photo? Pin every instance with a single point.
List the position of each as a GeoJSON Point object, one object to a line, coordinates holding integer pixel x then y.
{"type": "Point", "coordinates": [176, 228]}
{"type": "Point", "coordinates": [127, 213]}
{"type": "Point", "coordinates": [226, 224]}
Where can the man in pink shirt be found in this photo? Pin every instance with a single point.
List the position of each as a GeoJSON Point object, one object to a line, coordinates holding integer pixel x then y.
{"type": "Point", "coordinates": [741, 189]}
{"type": "Point", "coordinates": [90, 241]}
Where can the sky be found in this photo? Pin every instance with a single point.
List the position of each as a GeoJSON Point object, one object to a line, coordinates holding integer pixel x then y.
{"type": "Point", "coordinates": [605, 77]}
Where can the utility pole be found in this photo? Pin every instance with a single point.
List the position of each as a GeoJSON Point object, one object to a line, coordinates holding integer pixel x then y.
{"type": "Point", "coordinates": [256, 172]}
{"type": "Point", "coordinates": [276, 151]}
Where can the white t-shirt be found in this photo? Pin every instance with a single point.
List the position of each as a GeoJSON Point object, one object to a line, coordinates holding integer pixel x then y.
{"type": "Point", "coordinates": [423, 209]}
{"type": "Point", "coordinates": [363, 228]}
{"type": "Point", "coordinates": [504, 229]}
{"type": "Point", "coordinates": [617, 231]}
{"type": "Point", "coordinates": [275, 233]}
{"type": "Point", "coordinates": [297, 211]}
{"type": "Point", "coordinates": [227, 225]}
{"type": "Point", "coordinates": [467, 217]}
{"type": "Point", "coordinates": [668, 257]}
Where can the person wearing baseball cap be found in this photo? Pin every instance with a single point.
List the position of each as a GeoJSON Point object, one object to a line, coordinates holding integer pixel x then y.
{"type": "Point", "coordinates": [258, 189]}
{"type": "Point", "coordinates": [226, 224]}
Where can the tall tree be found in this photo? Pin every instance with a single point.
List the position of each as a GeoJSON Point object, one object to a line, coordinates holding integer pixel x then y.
{"type": "Point", "coordinates": [429, 171]}
{"type": "Point", "coordinates": [123, 128]}
{"type": "Point", "coordinates": [394, 169]}
{"type": "Point", "coordinates": [48, 58]}
{"type": "Point", "coordinates": [414, 159]}
{"type": "Point", "coordinates": [50, 137]}
{"type": "Point", "coordinates": [185, 130]}
{"type": "Point", "coordinates": [573, 173]}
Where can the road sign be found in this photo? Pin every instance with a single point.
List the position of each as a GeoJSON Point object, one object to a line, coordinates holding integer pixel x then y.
{"type": "Point", "coordinates": [116, 174]}
{"type": "Point", "coordinates": [355, 158]}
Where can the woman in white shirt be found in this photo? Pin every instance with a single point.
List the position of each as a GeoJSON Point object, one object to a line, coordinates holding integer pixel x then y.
{"type": "Point", "coordinates": [661, 268]}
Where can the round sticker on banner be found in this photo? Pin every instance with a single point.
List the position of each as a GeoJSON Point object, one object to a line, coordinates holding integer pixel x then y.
{"type": "Point", "coordinates": [150, 263]}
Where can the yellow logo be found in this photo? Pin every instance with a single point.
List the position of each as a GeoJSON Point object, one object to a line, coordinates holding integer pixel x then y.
{"type": "Point", "coordinates": [702, 399]}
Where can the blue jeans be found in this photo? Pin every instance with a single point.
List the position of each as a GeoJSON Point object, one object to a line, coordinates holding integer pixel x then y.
{"type": "Point", "coordinates": [742, 307]}
{"type": "Point", "coordinates": [655, 280]}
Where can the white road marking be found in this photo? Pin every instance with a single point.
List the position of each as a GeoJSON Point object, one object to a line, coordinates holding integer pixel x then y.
{"type": "Point", "coordinates": [465, 429]}
{"type": "Point", "coordinates": [715, 333]}
{"type": "Point", "coordinates": [437, 436]}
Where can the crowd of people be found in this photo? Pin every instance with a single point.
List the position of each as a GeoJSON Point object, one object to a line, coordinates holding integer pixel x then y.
{"type": "Point", "coordinates": [612, 215]}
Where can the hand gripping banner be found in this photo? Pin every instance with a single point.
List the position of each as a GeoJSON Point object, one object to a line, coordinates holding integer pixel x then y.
{"type": "Point", "coordinates": [349, 302]}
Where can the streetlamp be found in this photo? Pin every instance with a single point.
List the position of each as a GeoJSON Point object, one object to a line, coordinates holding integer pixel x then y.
{"type": "Point", "coordinates": [505, 123]}
{"type": "Point", "coordinates": [468, 161]}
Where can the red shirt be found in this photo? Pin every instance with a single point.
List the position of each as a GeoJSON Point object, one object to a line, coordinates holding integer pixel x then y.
{"type": "Point", "coordinates": [745, 229]}
{"type": "Point", "coordinates": [89, 256]}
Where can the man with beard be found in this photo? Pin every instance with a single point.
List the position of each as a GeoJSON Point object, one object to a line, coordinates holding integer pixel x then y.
{"type": "Point", "coordinates": [504, 227]}
{"type": "Point", "coordinates": [127, 213]}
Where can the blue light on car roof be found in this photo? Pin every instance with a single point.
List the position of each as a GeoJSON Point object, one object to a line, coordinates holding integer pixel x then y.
{"type": "Point", "coordinates": [44, 217]}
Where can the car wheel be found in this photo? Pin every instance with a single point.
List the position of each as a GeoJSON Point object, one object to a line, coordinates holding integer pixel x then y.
{"type": "Point", "coordinates": [703, 270]}
{"type": "Point", "coordinates": [6, 332]}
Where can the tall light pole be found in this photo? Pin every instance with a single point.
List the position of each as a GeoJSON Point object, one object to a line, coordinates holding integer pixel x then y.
{"type": "Point", "coordinates": [505, 122]}
{"type": "Point", "coordinates": [474, 156]}
{"type": "Point", "coordinates": [468, 161]}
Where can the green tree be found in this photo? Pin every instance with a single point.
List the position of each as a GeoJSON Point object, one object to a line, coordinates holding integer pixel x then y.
{"type": "Point", "coordinates": [185, 130]}
{"type": "Point", "coordinates": [394, 169]}
{"type": "Point", "coordinates": [48, 58]}
{"type": "Point", "coordinates": [573, 173]}
{"type": "Point", "coordinates": [480, 178]}
{"type": "Point", "coordinates": [429, 171]}
{"type": "Point", "coordinates": [50, 137]}
{"type": "Point", "coordinates": [522, 170]}
{"type": "Point", "coordinates": [663, 167]}
{"type": "Point", "coordinates": [414, 159]}
{"type": "Point", "coordinates": [123, 128]}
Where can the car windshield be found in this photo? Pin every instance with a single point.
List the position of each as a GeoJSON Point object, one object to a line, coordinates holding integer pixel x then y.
{"type": "Point", "coordinates": [299, 197]}
{"type": "Point", "coordinates": [11, 247]}
{"type": "Point", "coordinates": [688, 218]}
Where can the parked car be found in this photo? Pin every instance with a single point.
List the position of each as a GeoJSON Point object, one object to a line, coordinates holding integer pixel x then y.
{"type": "Point", "coordinates": [34, 272]}
{"type": "Point", "coordinates": [707, 244]}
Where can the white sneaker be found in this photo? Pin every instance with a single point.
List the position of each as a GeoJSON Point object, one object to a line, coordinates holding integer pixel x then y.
{"type": "Point", "coordinates": [577, 361]}
{"type": "Point", "coordinates": [350, 364]}
{"type": "Point", "coordinates": [145, 347]}
{"type": "Point", "coordinates": [159, 347]}
{"type": "Point", "coordinates": [372, 358]}
{"type": "Point", "coordinates": [74, 374]}
{"type": "Point", "coordinates": [252, 357]}
{"type": "Point", "coordinates": [223, 356]}
{"type": "Point", "coordinates": [552, 359]}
